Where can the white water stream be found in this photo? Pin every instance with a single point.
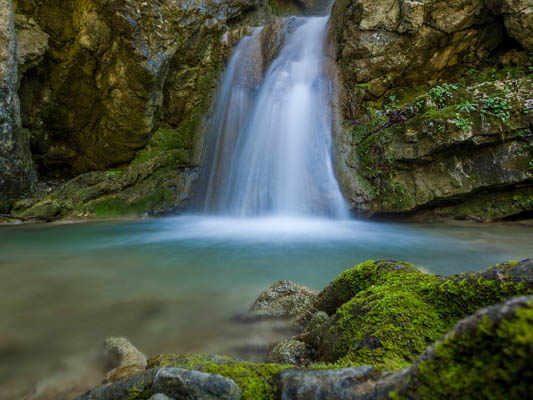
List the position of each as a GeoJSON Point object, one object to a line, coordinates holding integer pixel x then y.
{"type": "Point", "coordinates": [270, 141]}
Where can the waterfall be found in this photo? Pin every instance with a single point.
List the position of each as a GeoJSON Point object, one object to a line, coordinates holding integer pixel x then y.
{"type": "Point", "coordinates": [269, 142]}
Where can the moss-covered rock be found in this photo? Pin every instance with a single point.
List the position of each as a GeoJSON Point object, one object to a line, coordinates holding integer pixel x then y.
{"type": "Point", "coordinates": [486, 356]}
{"type": "Point", "coordinates": [391, 312]}
{"type": "Point", "coordinates": [253, 379]}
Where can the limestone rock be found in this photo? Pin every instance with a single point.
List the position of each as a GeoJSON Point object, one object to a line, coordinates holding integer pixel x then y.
{"type": "Point", "coordinates": [17, 174]}
{"type": "Point", "coordinates": [291, 352]}
{"type": "Point", "coordinates": [124, 358]}
{"type": "Point", "coordinates": [83, 113]}
{"type": "Point", "coordinates": [283, 299]}
{"type": "Point", "coordinates": [32, 43]}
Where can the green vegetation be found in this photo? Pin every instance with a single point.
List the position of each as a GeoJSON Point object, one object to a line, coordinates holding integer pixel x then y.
{"type": "Point", "coordinates": [396, 311]}
{"type": "Point", "coordinates": [252, 378]}
{"type": "Point", "coordinates": [494, 362]}
{"type": "Point", "coordinates": [115, 206]}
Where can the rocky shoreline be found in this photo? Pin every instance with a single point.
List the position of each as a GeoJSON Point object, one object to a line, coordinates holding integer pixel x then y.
{"type": "Point", "coordinates": [381, 330]}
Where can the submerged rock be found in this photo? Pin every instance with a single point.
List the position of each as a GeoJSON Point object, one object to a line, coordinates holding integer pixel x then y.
{"type": "Point", "coordinates": [283, 299]}
{"type": "Point", "coordinates": [124, 357]}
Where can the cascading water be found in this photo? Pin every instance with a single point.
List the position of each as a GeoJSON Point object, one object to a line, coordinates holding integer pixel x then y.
{"type": "Point", "coordinates": [270, 148]}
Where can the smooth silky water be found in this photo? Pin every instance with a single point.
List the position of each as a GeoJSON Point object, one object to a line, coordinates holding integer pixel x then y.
{"type": "Point", "coordinates": [269, 208]}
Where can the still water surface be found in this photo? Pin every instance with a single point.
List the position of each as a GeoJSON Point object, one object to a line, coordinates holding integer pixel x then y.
{"type": "Point", "coordinates": [174, 284]}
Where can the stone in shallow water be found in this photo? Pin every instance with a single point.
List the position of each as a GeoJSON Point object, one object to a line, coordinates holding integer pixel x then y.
{"type": "Point", "coordinates": [124, 357]}
{"type": "Point", "coordinates": [283, 299]}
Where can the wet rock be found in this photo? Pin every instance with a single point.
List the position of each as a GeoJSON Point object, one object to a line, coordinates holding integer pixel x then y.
{"type": "Point", "coordinates": [338, 384]}
{"type": "Point", "coordinates": [172, 382]}
{"type": "Point", "coordinates": [283, 299]}
{"type": "Point", "coordinates": [17, 174]}
{"type": "Point", "coordinates": [124, 358]}
{"type": "Point", "coordinates": [291, 352]}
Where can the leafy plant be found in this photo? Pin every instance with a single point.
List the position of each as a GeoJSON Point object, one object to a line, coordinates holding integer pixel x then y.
{"type": "Point", "coordinates": [497, 107]}
{"type": "Point", "coordinates": [462, 123]}
{"type": "Point", "coordinates": [466, 106]}
{"type": "Point", "coordinates": [441, 94]}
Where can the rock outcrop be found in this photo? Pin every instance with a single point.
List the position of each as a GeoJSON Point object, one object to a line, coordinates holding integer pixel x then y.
{"type": "Point", "coordinates": [121, 89]}
{"type": "Point", "coordinates": [17, 174]}
{"type": "Point", "coordinates": [420, 131]}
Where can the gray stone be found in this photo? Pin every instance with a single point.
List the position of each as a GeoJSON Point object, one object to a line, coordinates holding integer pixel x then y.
{"type": "Point", "coordinates": [184, 384]}
{"type": "Point", "coordinates": [177, 383]}
{"type": "Point", "coordinates": [283, 299]}
{"type": "Point", "coordinates": [295, 384]}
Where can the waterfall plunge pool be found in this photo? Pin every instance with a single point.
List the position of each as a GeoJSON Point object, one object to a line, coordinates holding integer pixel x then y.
{"type": "Point", "coordinates": [174, 284]}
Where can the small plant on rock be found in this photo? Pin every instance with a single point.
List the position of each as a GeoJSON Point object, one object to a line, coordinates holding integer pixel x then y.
{"type": "Point", "coordinates": [442, 93]}
{"type": "Point", "coordinates": [497, 107]}
{"type": "Point", "coordinates": [466, 106]}
{"type": "Point", "coordinates": [462, 123]}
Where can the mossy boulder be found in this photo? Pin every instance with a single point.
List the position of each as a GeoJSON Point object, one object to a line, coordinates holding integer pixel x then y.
{"type": "Point", "coordinates": [488, 355]}
{"type": "Point", "coordinates": [253, 379]}
{"type": "Point", "coordinates": [392, 311]}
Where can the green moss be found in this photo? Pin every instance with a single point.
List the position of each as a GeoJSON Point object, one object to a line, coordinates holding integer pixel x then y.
{"type": "Point", "coordinates": [139, 392]}
{"type": "Point", "coordinates": [115, 206]}
{"type": "Point", "coordinates": [396, 311]}
{"type": "Point", "coordinates": [253, 379]}
{"type": "Point", "coordinates": [494, 362]}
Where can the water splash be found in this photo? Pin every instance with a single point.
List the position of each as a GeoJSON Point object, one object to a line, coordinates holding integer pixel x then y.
{"type": "Point", "coordinates": [270, 148]}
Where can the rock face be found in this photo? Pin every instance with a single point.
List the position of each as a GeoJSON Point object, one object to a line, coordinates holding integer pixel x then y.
{"type": "Point", "coordinates": [419, 130]}
{"type": "Point", "coordinates": [124, 358]}
{"type": "Point", "coordinates": [17, 174]}
{"type": "Point", "coordinates": [123, 88]}
{"type": "Point", "coordinates": [83, 111]}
